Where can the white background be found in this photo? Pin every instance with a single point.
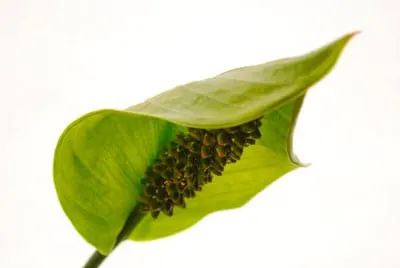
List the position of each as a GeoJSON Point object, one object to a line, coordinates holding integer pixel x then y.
{"type": "Point", "coordinates": [60, 59]}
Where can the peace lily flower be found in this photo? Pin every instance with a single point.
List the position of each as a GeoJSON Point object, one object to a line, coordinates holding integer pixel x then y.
{"type": "Point", "coordinates": [159, 167]}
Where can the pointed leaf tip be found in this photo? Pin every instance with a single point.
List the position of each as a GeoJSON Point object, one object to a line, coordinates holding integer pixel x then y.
{"type": "Point", "coordinates": [243, 94]}
{"type": "Point", "coordinates": [102, 157]}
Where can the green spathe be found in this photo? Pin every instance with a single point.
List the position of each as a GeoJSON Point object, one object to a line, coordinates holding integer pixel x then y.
{"type": "Point", "coordinates": [101, 157]}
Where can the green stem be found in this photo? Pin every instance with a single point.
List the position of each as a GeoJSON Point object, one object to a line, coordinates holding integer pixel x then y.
{"type": "Point", "coordinates": [134, 218]}
{"type": "Point", "coordinates": [95, 260]}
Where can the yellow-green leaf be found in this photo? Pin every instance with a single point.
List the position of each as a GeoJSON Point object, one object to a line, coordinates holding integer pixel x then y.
{"type": "Point", "coordinates": [102, 156]}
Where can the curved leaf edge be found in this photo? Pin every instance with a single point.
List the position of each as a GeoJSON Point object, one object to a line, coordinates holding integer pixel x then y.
{"type": "Point", "coordinates": [300, 89]}
{"type": "Point", "coordinates": [107, 112]}
{"type": "Point", "coordinates": [292, 157]}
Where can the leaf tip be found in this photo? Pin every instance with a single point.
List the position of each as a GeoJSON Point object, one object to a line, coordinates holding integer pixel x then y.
{"type": "Point", "coordinates": [350, 36]}
{"type": "Point", "coordinates": [354, 33]}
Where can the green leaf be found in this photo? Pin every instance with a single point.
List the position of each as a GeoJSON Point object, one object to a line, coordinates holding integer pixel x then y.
{"type": "Point", "coordinates": [101, 157]}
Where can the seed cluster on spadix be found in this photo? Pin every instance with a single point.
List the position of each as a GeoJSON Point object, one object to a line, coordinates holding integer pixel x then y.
{"type": "Point", "coordinates": [190, 161]}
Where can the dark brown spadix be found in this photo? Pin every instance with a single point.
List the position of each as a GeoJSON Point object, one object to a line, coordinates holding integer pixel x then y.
{"type": "Point", "coordinates": [190, 162]}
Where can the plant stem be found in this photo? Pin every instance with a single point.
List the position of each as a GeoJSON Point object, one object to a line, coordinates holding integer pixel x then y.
{"type": "Point", "coordinates": [134, 218]}
{"type": "Point", "coordinates": [95, 260]}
